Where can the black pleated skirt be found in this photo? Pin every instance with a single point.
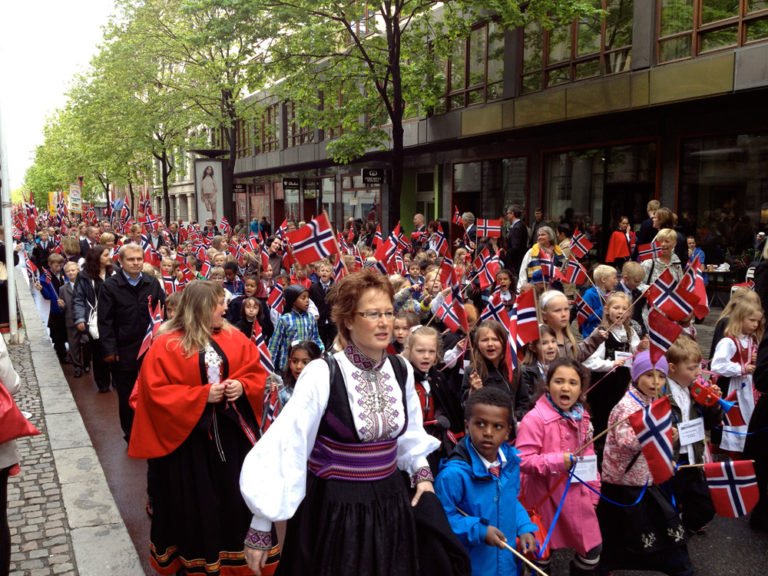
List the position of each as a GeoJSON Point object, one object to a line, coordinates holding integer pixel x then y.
{"type": "Point", "coordinates": [360, 528]}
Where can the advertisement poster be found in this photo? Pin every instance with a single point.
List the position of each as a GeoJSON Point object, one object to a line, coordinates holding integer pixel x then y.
{"type": "Point", "coordinates": [75, 199]}
{"type": "Point", "coordinates": [209, 190]}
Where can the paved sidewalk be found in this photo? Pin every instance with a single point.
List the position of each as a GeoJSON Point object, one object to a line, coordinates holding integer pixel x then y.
{"type": "Point", "coordinates": [62, 515]}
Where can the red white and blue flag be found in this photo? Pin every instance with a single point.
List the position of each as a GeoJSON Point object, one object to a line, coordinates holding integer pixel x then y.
{"type": "Point", "coordinates": [695, 291]}
{"type": "Point", "coordinates": [224, 226]}
{"type": "Point", "coordinates": [486, 267]}
{"type": "Point", "coordinates": [583, 310]}
{"type": "Point", "coordinates": [732, 486]}
{"type": "Point", "coordinates": [441, 242]}
{"type": "Point", "coordinates": [170, 284]}
{"type": "Point", "coordinates": [155, 319]}
{"type": "Point", "coordinates": [487, 228]}
{"type": "Point", "coordinates": [457, 217]}
{"type": "Point", "coordinates": [580, 244]}
{"type": "Point", "coordinates": [512, 358]}
{"type": "Point", "coordinates": [276, 299]}
{"type": "Point", "coordinates": [386, 250]}
{"type": "Point", "coordinates": [653, 427]}
{"type": "Point", "coordinates": [661, 332]}
{"type": "Point", "coordinates": [377, 238]}
{"type": "Point", "coordinates": [282, 230]}
{"type": "Point", "coordinates": [313, 242]}
{"type": "Point", "coordinates": [495, 310]}
{"type": "Point", "coordinates": [447, 273]}
{"type": "Point", "coordinates": [550, 271]}
{"type": "Point", "coordinates": [258, 339]}
{"type": "Point", "coordinates": [339, 270]}
{"type": "Point", "coordinates": [524, 311]}
{"type": "Point", "coordinates": [452, 313]}
{"type": "Point", "coordinates": [647, 251]}
{"type": "Point", "coordinates": [666, 295]}
{"type": "Point", "coordinates": [575, 273]}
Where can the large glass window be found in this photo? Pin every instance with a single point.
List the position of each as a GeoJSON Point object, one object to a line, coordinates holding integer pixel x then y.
{"type": "Point", "coordinates": [486, 187]}
{"type": "Point", "coordinates": [270, 128]}
{"type": "Point", "coordinates": [360, 200]}
{"type": "Point", "coordinates": [691, 27]}
{"type": "Point", "coordinates": [724, 193]}
{"type": "Point", "coordinates": [475, 68]}
{"type": "Point", "coordinates": [591, 46]}
{"type": "Point", "coordinates": [297, 134]}
{"type": "Point", "coordinates": [592, 188]}
{"type": "Point", "coordinates": [243, 132]}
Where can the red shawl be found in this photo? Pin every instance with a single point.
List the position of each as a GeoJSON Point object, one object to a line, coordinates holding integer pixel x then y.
{"type": "Point", "coordinates": [171, 397]}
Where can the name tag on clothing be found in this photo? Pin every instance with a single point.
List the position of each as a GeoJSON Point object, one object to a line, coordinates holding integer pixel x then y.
{"type": "Point", "coordinates": [626, 356]}
{"type": "Point", "coordinates": [691, 431]}
{"type": "Point", "coordinates": [586, 469]}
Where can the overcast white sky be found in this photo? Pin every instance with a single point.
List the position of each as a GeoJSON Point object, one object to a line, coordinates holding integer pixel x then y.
{"type": "Point", "coordinates": [43, 44]}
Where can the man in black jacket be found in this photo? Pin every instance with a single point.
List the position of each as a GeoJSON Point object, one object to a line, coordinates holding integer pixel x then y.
{"type": "Point", "coordinates": [516, 241]}
{"type": "Point", "coordinates": [123, 319]}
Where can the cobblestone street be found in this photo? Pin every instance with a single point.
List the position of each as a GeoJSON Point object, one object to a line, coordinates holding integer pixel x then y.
{"type": "Point", "coordinates": [41, 544]}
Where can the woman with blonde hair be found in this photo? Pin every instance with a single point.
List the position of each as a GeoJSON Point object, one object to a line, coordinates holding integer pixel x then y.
{"type": "Point", "coordinates": [200, 396]}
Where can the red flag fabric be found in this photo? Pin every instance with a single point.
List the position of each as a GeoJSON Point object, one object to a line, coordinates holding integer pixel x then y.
{"type": "Point", "coordinates": [457, 217]}
{"type": "Point", "coordinates": [647, 251]}
{"type": "Point", "coordinates": [386, 250]}
{"type": "Point", "coordinates": [512, 340]}
{"type": "Point", "coordinates": [527, 321]}
{"type": "Point", "coordinates": [575, 273]}
{"type": "Point", "coordinates": [583, 310]}
{"type": "Point", "coordinates": [257, 337]}
{"type": "Point", "coordinates": [486, 267]}
{"type": "Point", "coordinates": [732, 486]}
{"type": "Point", "coordinates": [155, 320]}
{"type": "Point", "coordinates": [488, 228]}
{"type": "Point", "coordinates": [580, 244]}
{"type": "Point", "coordinates": [661, 332]}
{"type": "Point", "coordinates": [452, 313]}
{"type": "Point", "coordinates": [653, 427]}
{"type": "Point", "coordinates": [313, 242]}
{"type": "Point", "coordinates": [276, 300]}
{"type": "Point", "coordinates": [495, 310]}
{"type": "Point", "coordinates": [695, 291]}
{"type": "Point", "coordinates": [668, 296]}
{"type": "Point", "coordinates": [447, 274]}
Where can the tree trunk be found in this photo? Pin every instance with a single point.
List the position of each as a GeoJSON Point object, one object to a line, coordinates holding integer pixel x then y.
{"type": "Point", "coordinates": [165, 172]}
{"type": "Point", "coordinates": [133, 203]}
{"type": "Point", "coordinates": [396, 167]}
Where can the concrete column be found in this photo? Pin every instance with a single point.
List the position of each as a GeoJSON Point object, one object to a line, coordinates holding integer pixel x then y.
{"type": "Point", "coordinates": [191, 212]}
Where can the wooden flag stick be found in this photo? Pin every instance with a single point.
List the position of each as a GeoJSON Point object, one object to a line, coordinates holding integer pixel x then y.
{"type": "Point", "coordinates": [522, 557]}
{"type": "Point", "coordinates": [701, 465]}
{"type": "Point", "coordinates": [584, 446]}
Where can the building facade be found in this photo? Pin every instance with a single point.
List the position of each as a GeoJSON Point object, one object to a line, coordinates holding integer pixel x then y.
{"type": "Point", "coordinates": [659, 99]}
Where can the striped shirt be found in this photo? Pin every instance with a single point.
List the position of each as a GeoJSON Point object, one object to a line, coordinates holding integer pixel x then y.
{"type": "Point", "coordinates": [292, 327]}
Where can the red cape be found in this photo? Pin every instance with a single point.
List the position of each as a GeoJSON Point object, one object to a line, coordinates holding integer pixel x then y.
{"type": "Point", "coordinates": [171, 397]}
{"type": "Point", "coordinates": [617, 246]}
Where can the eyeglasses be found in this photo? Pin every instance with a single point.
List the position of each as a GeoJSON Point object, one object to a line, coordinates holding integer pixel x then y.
{"type": "Point", "coordinates": [376, 315]}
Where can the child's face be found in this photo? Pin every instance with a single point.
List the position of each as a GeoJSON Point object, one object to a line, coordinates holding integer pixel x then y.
{"type": "Point", "coordinates": [558, 313]}
{"type": "Point", "coordinates": [217, 277]}
{"type": "Point", "coordinates": [488, 427]}
{"type": "Point", "coordinates": [565, 387]}
{"type": "Point", "coordinates": [414, 270]}
{"type": "Point", "coordinates": [170, 311]}
{"type": "Point", "coordinates": [401, 330]}
{"type": "Point", "coordinates": [219, 260]}
{"type": "Point", "coordinates": [298, 360]}
{"type": "Point", "coordinates": [422, 352]}
{"type": "Point", "coordinates": [503, 281]}
{"type": "Point", "coordinates": [230, 275]}
{"type": "Point", "coordinates": [651, 383]}
{"type": "Point", "coordinates": [56, 267]}
{"type": "Point", "coordinates": [685, 372]}
{"type": "Point", "coordinates": [267, 274]}
{"type": "Point", "coordinates": [300, 272]}
{"type": "Point", "coordinates": [617, 311]}
{"type": "Point", "coordinates": [609, 284]}
{"type": "Point", "coordinates": [250, 310]}
{"type": "Point", "coordinates": [750, 324]}
{"type": "Point", "coordinates": [547, 348]}
{"type": "Point", "coordinates": [489, 345]}
{"type": "Point", "coordinates": [302, 302]}
{"type": "Point", "coordinates": [324, 273]}
{"type": "Point", "coordinates": [71, 272]}
{"type": "Point", "coordinates": [166, 268]}
{"type": "Point", "coordinates": [250, 287]}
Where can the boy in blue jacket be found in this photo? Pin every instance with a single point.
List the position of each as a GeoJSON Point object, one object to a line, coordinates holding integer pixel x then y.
{"type": "Point", "coordinates": [478, 486]}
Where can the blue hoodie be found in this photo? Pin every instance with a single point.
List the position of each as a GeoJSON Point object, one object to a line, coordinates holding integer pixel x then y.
{"type": "Point", "coordinates": [465, 483]}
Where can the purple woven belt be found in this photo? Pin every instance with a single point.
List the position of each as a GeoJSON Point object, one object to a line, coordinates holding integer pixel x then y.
{"type": "Point", "coordinates": [333, 460]}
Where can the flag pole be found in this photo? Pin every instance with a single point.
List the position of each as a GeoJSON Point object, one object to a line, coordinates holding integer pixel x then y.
{"type": "Point", "coordinates": [586, 445]}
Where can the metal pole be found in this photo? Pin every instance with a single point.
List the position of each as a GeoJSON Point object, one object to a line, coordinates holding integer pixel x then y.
{"type": "Point", "coordinates": [5, 197]}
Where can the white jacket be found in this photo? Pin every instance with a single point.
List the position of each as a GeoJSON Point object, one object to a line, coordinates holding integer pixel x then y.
{"type": "Point", "coordinates": [9, 455]}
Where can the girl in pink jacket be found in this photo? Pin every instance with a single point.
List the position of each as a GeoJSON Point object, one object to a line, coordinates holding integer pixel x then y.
{"type": "Point", "coordinates": [547, 438]}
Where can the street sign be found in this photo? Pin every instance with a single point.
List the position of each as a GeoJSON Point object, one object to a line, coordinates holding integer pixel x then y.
{"type": "Point", "coordinates": [239, 188]}
{"type": "Point", "coordinates": [312, 184]}
{"type": "Point", "coordinates": [373, 176]}
{"type": "Point", "coordinates": [291, 183]}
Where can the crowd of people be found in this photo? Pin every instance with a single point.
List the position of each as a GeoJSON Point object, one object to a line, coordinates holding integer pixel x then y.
{"type": "Point", "coordinates": [397, 409]}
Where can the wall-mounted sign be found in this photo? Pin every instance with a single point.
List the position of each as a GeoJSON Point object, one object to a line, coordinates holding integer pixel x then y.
{"type": "Point", "coordinates": [373, 176]}
{"type": "Point", "coordinates": [291, 183]}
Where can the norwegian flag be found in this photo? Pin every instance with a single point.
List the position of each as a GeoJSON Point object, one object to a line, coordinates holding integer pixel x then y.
{"type": "Point", "coordinates": [734, 424]}
{"type": "Point", "coordinates": [495, 310]}
{"type": "Point", "coordinates": [339, 270]}
{"type": "Point", "coordinates": [583, 310]}
{"type": "Point", "coordinates": [580, 244]}
{"type": "Point", "coordinates": [399, 267]}
{"type": "Point", "coordinates": [647, 251]}
{"type": "Point", "coordinates": [276, 299]}
{"type": "Point", "coordinates": [170, 284]}
{"type": "Point", "coordinates": [313, 242]}
{"type": "Point", "coordinates": [377, 238]}
{"type": "Point", "coordinates": [441, 242]}
{"type": "Point", "coordinates": [258, 339]}
{"type": "Point", "coordinates": [155, 319]}
{"type": "Point", "coordinates": [224, 226]}
{"type": "Point", "coordinates": [32, 271]}
{"type": "Point", "coordinates": [575, 273]}
{"type": "Point", "coordinates": [264, 257]}
{"type": "Point", "coordinates": [661, 332]}
{"type": "Point", "coordinates": [487, 228]}
{"type": "Point", "coordinates": [457, 217]}
{"type": "Point", "coordinates": [205, 266]}
{"type": "Point", "coordinates": [653, 427]}
{"type": "Point", "coordinates": [549, 268]}
{"type": "Point", "coordinates": [665, 295]}
{"type": "Point", "coordinates": [447, 274]}
{"type": "Point", "coordinates": [151, 222]}
{"type": "Point", "coordinates": [487, 266]}
{"type": "Point", "coordinates": [288, 259]}
{"type": "Point", "coordinates": [732, 486]}
{"type": "Point", "coordinates": [272, 406]}
{"type": "Point", "coordinates": [512, 358]}
{"type": "Point", "coordinates": [694, 290]}
{"type": "Point", "coordinates": [386, 250]}
{"type": "Point", "coordinates": [253, 242]}
{"type": "Point", "coordinates": [145, 203]}
{"type": "Point", "coordinates": [282, 230]}
{"type": "Point", "coordinates": [452, 313]}
{"type": "Point", "coordinates": [527, 322]}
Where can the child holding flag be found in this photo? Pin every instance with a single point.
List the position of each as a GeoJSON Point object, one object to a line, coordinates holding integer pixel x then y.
{"type": "Point", "coordinates": [643, 531]}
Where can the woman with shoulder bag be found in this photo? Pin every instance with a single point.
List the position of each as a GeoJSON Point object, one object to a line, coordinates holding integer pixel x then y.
{"type": "Point", "coordinates": [96, 269]}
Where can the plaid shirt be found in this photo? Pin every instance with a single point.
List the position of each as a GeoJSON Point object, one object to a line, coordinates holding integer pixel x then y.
{"type": "Point", "coordinates": [292, 327]}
